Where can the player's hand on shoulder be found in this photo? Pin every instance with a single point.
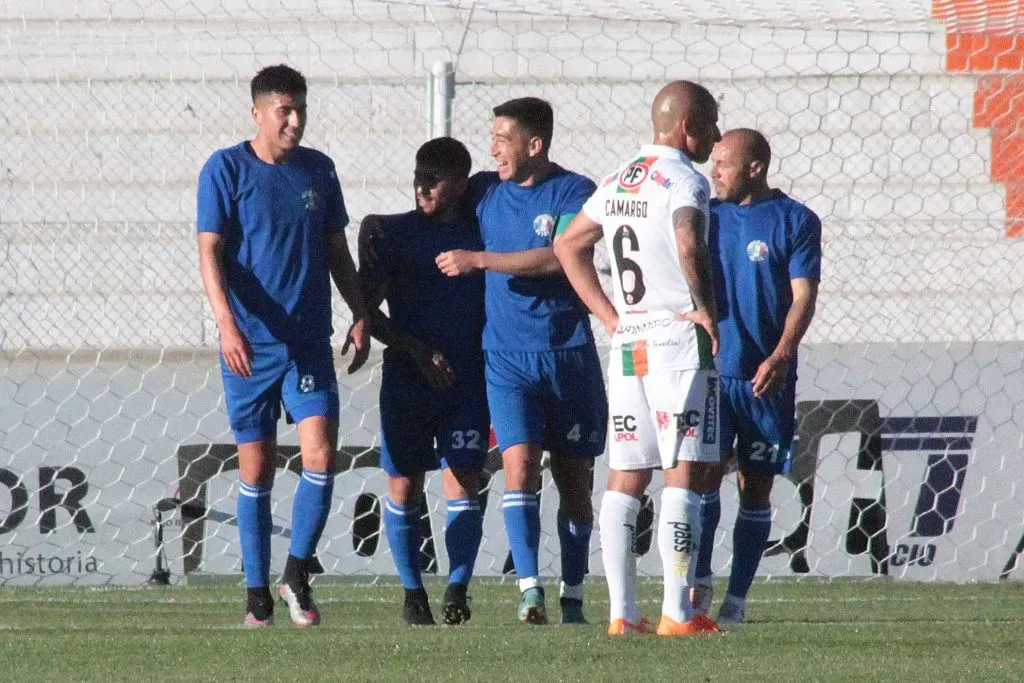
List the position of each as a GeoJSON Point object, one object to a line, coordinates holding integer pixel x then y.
{"type": "Point", "coordinates": [458, 262]}
{"type": "Point", "coordinates": [359, 337]}
{"type": "Point", "coordinates": [770, 376]}
{"type": "Point", "coordinates": [236, 350]}
{"type": "Point", "coordinates": [435, 367]}
{"type": "Point", "coordinates": [702, 317]}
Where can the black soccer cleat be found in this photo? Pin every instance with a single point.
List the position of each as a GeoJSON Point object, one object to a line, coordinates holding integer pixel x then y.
{"type": "Point", "coordinates": [572, 611]}
{"type": "Point", "coordinates": [455, 609]}
{"type": "Point", "coordinates": [259, 608]}
{"type": "Point", "coordinates": [295, 592]}
{"type": "Point", "coordinates": [416, 610]}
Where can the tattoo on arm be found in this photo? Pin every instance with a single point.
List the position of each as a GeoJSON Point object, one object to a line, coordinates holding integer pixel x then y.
{"type": "Point", "coordinates": [694, 258]}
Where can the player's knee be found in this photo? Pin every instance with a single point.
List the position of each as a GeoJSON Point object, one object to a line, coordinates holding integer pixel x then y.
{"type": "Point", "coordinates": [521, 466]}
{"type": "Point", "coordinates": [755, 488]}
{"type": "Point", "coordinates": [405, 491]}
{"type": "Point", "coordinates": [631, 482]}
{"type": "Point", "coordinates": [460, 483]}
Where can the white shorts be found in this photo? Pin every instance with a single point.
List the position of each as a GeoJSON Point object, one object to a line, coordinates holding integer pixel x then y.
{"type": "Point", "coordinates": [657, 420]}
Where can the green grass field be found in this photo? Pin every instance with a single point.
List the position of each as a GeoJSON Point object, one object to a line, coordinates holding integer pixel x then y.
{"type": "Point", "coordinates": [797, 631]}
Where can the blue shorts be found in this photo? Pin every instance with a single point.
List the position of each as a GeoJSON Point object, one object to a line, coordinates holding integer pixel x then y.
{"type": "Point", "coordinates": [299, 375]}
{"type": "Point", "coordinates": [761, 428]}
{"type": "Point", "coordinates": [553, 398]}
{"type": "Point", "coordinates": [413, 416]}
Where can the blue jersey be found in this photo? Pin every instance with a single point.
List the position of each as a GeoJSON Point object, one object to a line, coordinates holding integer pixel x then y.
{"type": "Point", "coordinates": [446, 313]}
{"type": "Point", "coordinates": [756, 250]}
{"type": "Point", "coordinates": [531, 313]}
{"type": "Point", "coordinates": [275, 219]}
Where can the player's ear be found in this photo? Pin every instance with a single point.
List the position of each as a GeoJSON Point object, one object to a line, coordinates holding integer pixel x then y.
{"type": "Point", "coordinates": [255, 114]}
{"type": "Point", "coordinates": [535, 146]}
{"type": "Point", "coordinates": [756, 169]}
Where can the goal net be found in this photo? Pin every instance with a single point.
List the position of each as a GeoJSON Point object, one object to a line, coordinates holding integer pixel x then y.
{"type": "Point", "coordinates": [897, 122]}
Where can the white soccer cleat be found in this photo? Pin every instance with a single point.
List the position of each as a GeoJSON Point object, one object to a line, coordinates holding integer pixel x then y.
{"type": "Point", "coordinates": [730, 614]}
{"type": "Point", "coordinates": [301, 608]}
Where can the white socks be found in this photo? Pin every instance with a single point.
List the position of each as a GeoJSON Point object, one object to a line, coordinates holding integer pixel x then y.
{"type": "Point", "coordinates": [679, 531]}
{"type": "Point", "coordinates": [618, 552]}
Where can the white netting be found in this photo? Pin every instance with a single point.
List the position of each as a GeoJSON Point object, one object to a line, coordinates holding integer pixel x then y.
{"type": "Point", "coordinates": [896, 122]}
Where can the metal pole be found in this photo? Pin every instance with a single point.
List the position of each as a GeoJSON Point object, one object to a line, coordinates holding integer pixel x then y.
{"type": "Point", "coordinates": [442, 92]}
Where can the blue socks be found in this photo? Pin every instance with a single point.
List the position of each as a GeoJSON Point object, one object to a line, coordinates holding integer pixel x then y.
{"type": "Point", "coordinates": [522, 524]}
{"type": "Point", "coordinates": [402, 526]}
{"type": "Point", "coordinates": [254, 526]}
{"type": "Point", "coordinates": [710, 515]}
{"type": "Point", "coordinates": [463, 531]}
{"type": "Point", "coordinates": [309, 511]}
{"type": "Point", "coordinates": [574, 540]}
{"type": "Point", "coordinates": [749, 536]}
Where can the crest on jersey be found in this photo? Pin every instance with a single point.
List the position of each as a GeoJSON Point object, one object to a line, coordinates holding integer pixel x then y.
{"type": "Point", "coordinates": [311, 199]}
{"type": "Point", "coordinates": [634, 175]}
{"type": "Point", "coordinates": [757, 251]}
{"type": "Point", "coordinates": [543, 225]}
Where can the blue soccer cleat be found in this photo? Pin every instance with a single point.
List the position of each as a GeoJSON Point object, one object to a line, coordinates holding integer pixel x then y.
{"type": "Point", "coordinates": [532, 609]}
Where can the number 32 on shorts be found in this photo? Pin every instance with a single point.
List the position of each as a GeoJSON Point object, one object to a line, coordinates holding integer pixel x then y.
{"type": "Point", "coordinates": [469, 438]}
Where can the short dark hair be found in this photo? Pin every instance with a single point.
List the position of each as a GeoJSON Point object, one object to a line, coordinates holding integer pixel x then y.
{"type": "Point", "coordinates": [444, 157]}
{"type": "Point", "coordinates": [281, 79]}
{"type": "Point", "coordinates": [755, 144]}
{"type": "Point", "coordinates": [533, 115]}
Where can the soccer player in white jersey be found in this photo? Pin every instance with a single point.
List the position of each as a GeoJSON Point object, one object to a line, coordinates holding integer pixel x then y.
{"type": "Point", "coordinates": [662, 383]}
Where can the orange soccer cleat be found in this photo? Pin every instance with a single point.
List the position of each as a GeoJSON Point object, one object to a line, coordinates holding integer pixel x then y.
{"type": "Point", "coordinates": [621, 627]}
{"type": "Point", "coordinates": [699, 625]}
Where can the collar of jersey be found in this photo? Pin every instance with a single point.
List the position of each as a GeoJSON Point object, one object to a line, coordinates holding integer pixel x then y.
{"type": "Point", "coordinates": [652, 149]}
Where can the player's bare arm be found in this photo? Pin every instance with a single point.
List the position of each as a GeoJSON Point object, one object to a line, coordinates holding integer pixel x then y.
{"type": "Point", "coordinates": [233, 344]}
{"type": "Point", "coordinates": [530, 263]}
{"type": "Point", "coordinates": [695, 262]}
{"type": "Point", "coordinates": [343, 272]}
{"type": "Point", "coordinates": [431, 363]}
{"type": "Point", "coordinates": [771, 374]}
{"type": "Point", "coordinates": [574, 250]}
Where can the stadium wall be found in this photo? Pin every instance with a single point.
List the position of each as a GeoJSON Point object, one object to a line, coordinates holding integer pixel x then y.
{"type": "Point", "coordinates": [897, 123]}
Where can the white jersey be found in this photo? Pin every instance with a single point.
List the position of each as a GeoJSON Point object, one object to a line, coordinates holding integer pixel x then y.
{"type": "Point", "coordinates": [635, 206]}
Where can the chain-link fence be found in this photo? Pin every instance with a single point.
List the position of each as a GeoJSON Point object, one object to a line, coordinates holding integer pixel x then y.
{"type": "Point", "coordinates": [877, 119]}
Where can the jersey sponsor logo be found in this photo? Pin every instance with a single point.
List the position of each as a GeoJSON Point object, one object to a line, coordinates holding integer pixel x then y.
{"type": "Point", "coordinates": [543, 225]}
{"type": "Point", "coordinates": [686, 423]}
{"type": "Point", "coordinates": [659, 178]}
{"type": "Point", "coordinates": [757, 251]}
{"type": "Point", "coordinates": [311, 199]}
{"type": "Point", "coordinates": [710, 427]}
{"type": "Point", "coordinates": [624, 427]}
{"type": "Point", "coordinates": [634, 175]}
{"type": "Point", "coordinates": [625, 208]}
{"type": "Point", "coordinates": [647, 326]}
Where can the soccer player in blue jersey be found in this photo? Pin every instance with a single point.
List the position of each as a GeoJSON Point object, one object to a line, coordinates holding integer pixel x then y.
{"type": "Point", "coordinates": [432, 388]}
{"type": "Point", "coordinates": [545, 385]}
{"type": "Point", "coordinates": [271, 222]}
{"type": "Point", "coordinates": [766, 258]}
